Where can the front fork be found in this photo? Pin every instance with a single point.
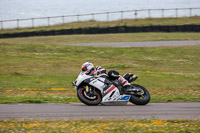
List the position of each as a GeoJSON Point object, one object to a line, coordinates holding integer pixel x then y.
{"type": "Point", "coordinates": [90, 90]}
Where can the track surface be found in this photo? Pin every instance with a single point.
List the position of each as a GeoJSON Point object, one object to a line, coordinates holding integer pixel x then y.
{"type": "Point", "coordinates": [76, 111]}
{"type": "Point", "coordinates": [139, 44]}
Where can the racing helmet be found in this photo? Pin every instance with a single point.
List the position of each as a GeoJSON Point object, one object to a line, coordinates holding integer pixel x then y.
{"type": "Point", "coordinates": [87, 67]}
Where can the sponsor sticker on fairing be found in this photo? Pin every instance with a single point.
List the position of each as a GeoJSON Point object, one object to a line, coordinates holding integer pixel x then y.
{"type": "Point", "coordinates": [125, 98]}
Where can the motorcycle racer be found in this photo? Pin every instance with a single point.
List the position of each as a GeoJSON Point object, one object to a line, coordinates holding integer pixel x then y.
{"type": "Point", "coordinates": [89, 69]}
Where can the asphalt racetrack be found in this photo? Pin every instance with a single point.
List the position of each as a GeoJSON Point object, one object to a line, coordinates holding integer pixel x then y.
{"type": "Point", "coordinates": [77, 111]}
{"type": "Point", "coordinates": [139, 44]}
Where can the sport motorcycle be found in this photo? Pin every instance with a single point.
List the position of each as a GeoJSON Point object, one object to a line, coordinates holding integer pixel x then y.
{"type": "Point", "coordinates": [95, 90]}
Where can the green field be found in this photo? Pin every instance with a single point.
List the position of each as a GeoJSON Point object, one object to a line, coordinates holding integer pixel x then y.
{"type": "Point", "coordinates": [41, 69]}
{"type": "Point", "coordinates": [99, 24]}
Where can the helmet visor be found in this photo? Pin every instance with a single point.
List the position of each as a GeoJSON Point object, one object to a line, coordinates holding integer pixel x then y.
{"type": "Point", "coordinates": [84, 68]}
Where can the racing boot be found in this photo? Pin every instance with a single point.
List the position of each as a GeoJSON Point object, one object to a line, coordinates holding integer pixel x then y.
{"type": "Point", "coordinates": [130, 77]}
{"type": "Point", "coordinates": [133, 78]}
{"type": "Point", "coordinates": [126, 84]}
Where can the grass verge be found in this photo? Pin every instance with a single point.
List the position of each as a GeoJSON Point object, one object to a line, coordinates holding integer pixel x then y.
{"type": "Point", "coordinates": [92, 126]}
{"type": "Point", "coordinates": [35, 70]}
{"type": "Point", "coordinates": [99, 24]}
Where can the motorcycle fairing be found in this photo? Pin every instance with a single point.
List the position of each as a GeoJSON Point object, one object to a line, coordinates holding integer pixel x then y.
{"type": "Point", "coordinates": [113, 95]}
{"type": "Point", "coordinates": [110, 93]}
{"type": "Point", "coordinates": [81, 77]}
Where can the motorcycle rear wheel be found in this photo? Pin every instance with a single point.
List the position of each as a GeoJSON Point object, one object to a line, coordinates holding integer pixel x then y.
{"type": "Point", "coordinates": [140, 100]}
{"type": "Point", "coordinates": [83, 97]}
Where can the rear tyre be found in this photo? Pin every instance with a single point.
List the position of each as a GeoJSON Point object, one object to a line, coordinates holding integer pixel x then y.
{"type": "Point", "coordinates": [87, 99]}
{"type": "Point", "coordinates": [140, 99]}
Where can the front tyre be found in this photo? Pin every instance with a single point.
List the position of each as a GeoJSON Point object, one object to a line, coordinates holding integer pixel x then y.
{"type": "Point", "coordinates": [140, 99]}
{"type": "Point", "coordinates": [89, 99]}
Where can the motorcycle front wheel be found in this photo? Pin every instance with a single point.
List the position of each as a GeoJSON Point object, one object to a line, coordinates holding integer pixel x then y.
{"type": "Point", "coordinates": [89, 99]}
{"type": "Point", "coordinates": [140, 99]}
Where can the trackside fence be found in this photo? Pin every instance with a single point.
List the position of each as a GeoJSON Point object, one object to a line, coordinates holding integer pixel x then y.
{"type": "Point", "coordinates": [104, 16]}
